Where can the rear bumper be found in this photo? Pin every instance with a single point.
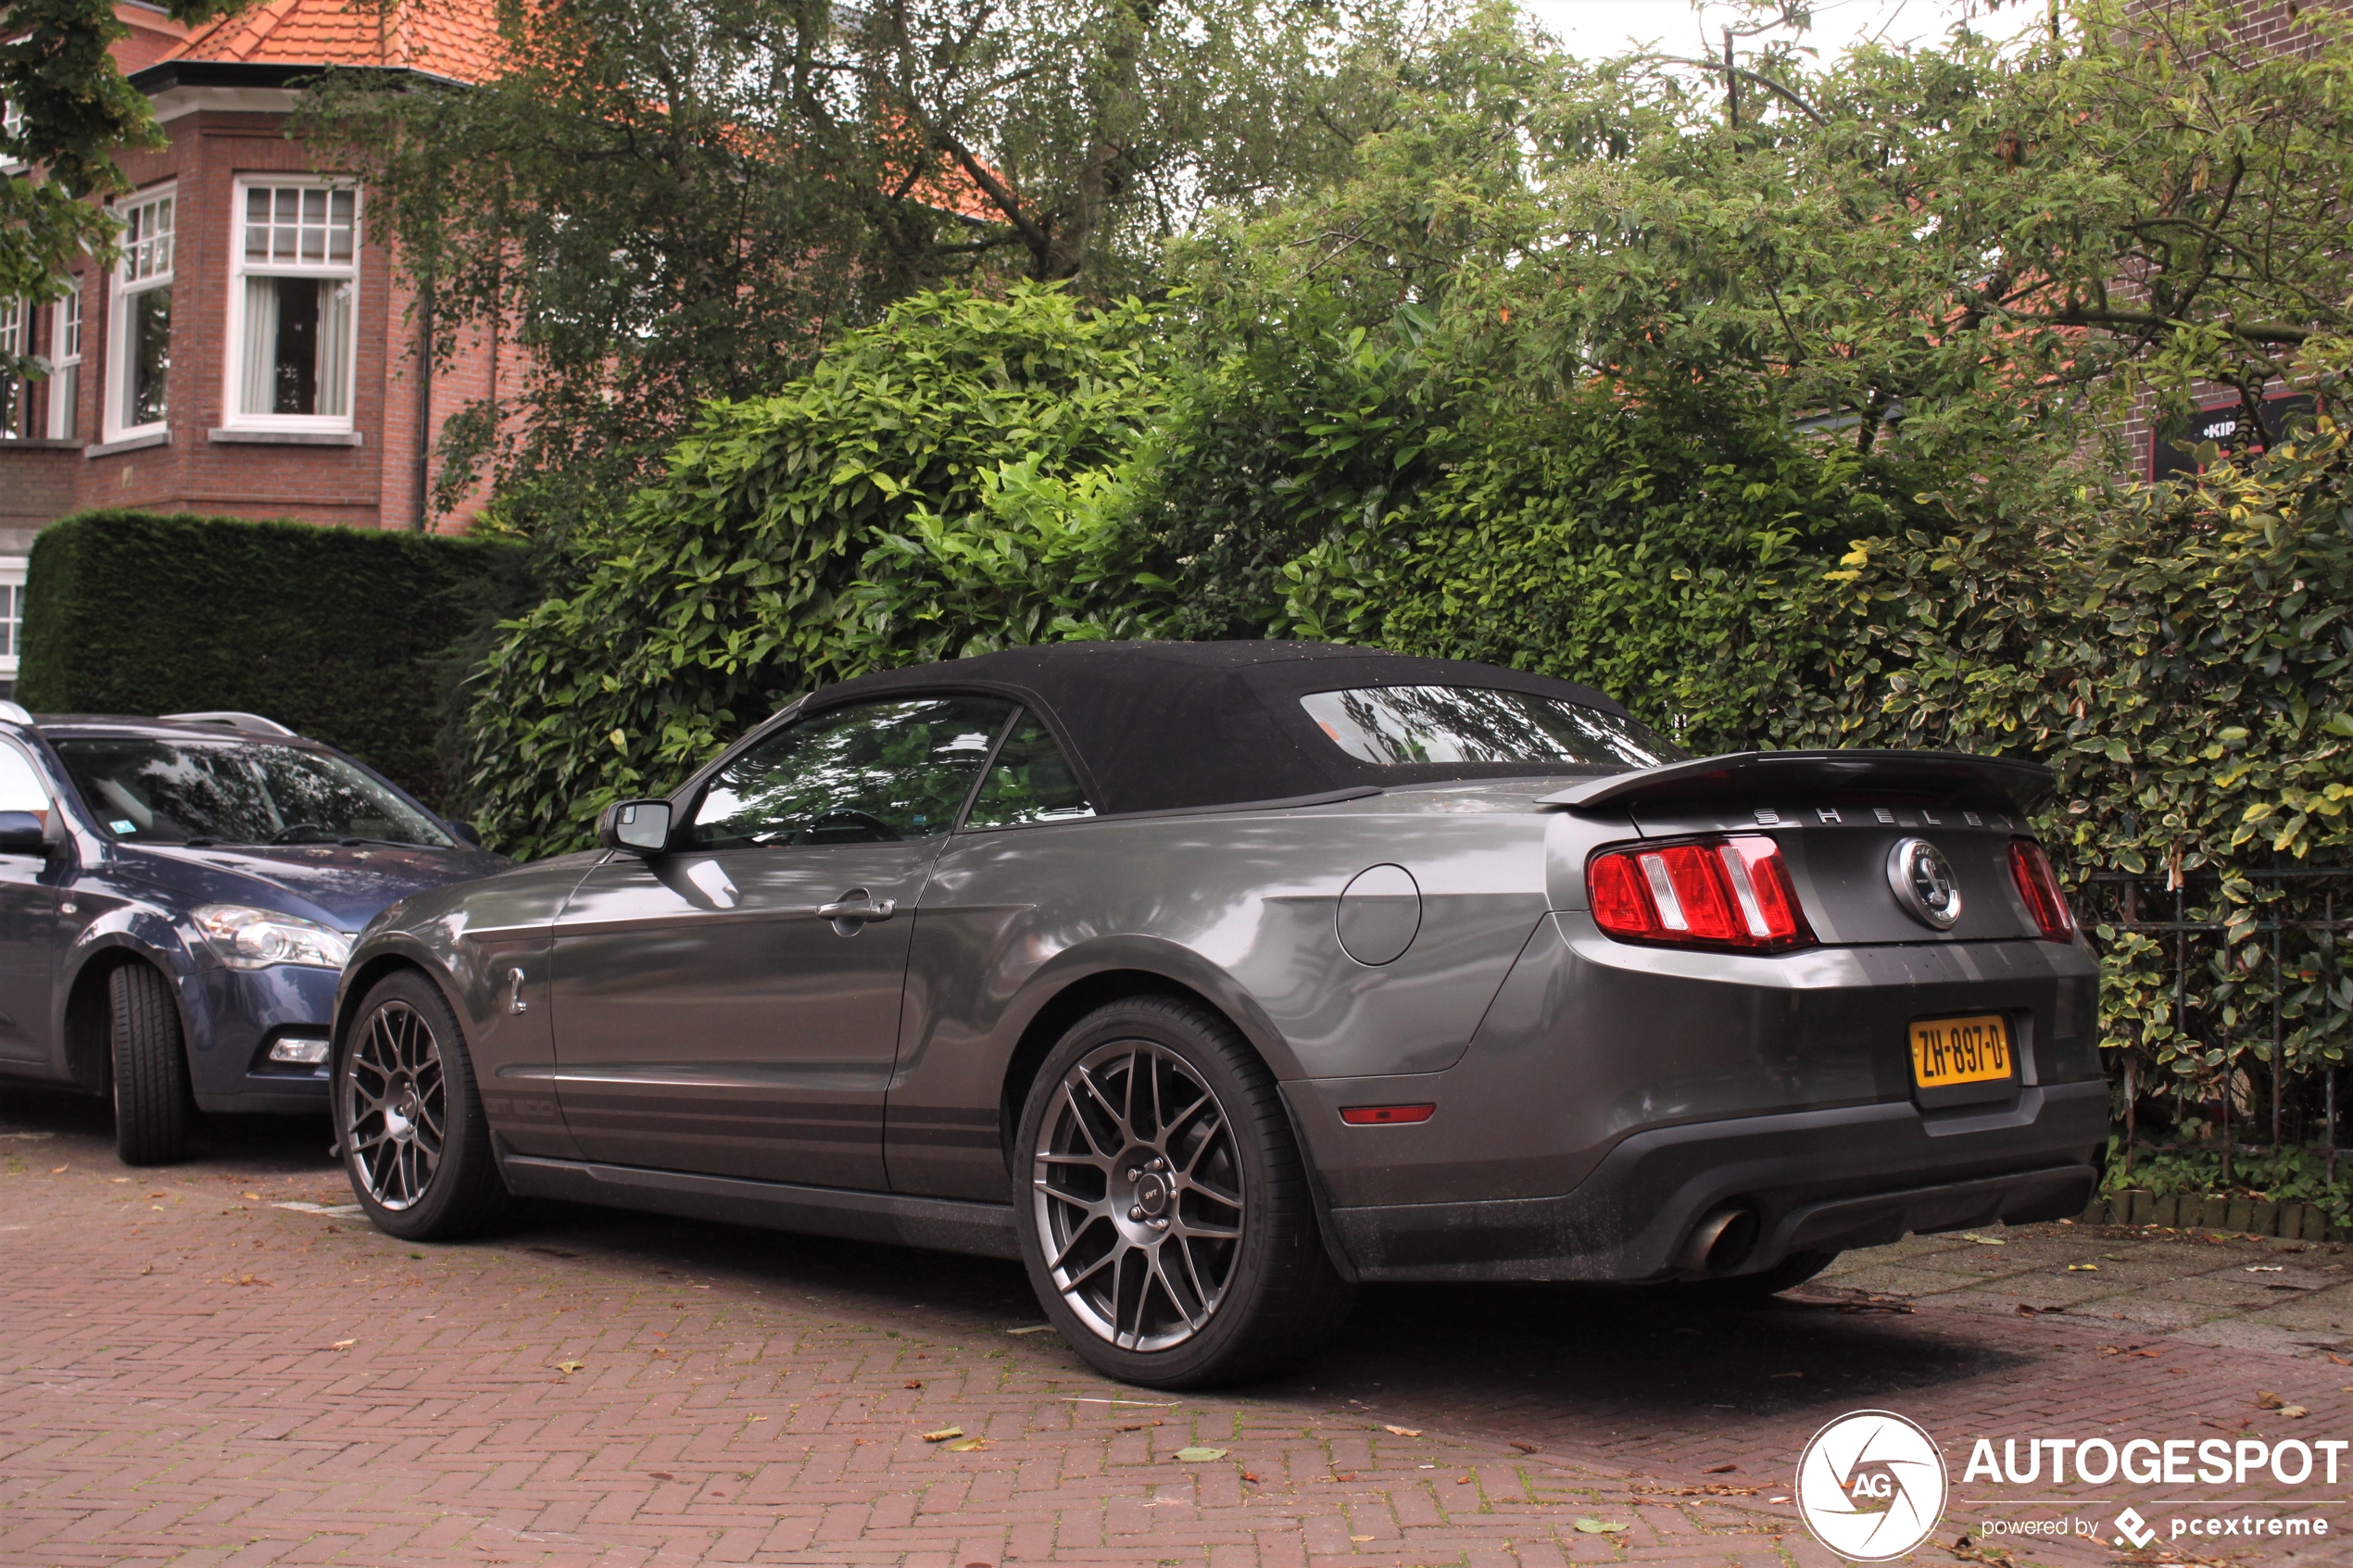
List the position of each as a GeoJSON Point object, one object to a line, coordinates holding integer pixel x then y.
{"type": "Point", "coordinates": [1815, 1181]}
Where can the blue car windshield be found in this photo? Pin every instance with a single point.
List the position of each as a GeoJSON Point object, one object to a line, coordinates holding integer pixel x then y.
{"type": "Point", "coordinates": [236, 792]}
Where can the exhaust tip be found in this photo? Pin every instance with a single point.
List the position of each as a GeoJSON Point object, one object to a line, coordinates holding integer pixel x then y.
{"type": "Point", "coordinates": [1719, 1243]}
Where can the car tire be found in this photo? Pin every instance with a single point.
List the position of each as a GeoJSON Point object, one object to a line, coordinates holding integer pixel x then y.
{"type": "Point", "coordinates": [153, 1104]}
{"type": "Point", "coordinates": [1199, 1261]}
{"type": "Point", "coordinates": [1787, 1275]}
{"type": "Point", "coordinates": [408, 1122]}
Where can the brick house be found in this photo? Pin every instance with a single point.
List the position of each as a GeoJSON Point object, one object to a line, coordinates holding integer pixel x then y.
{"type": "Point", "coordinates": [250, 353]}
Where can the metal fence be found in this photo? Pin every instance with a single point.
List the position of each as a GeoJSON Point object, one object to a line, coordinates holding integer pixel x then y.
{"type": "Point", "coordinates": [2260, 1008]}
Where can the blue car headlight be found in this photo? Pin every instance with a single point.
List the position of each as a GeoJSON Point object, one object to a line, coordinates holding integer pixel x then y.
{"type": "Point", "coordinates": [250, 938]}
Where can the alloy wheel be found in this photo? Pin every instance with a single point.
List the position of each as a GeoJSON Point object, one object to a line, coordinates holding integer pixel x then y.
{"type": "Point", "coordinates": [396, 1103]}
{"type": "Point", "coordinates": [1140, 1198]}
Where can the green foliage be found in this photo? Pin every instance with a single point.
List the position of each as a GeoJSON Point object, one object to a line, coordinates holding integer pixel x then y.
{"type": "Point", "coordinates": [349, 637]}
{"type": "Point", "coordinates": [934, 487]}
{"type": "Point", "coordinates": [1325, 483]}
{"type": "Point", "coordinates": [2292, 1174]}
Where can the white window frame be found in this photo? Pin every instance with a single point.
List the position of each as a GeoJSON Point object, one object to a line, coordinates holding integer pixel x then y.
{"type": "Point", "coordinates": [135, 273]}
{"type": "Point", "coordinates": [12, 576]}
{"type": "Point", "coordinates": [16, 332]}
{"type": "Point", "coordinates": [241, 268]}
{"type": "Point", "coordinates": [65, 355]}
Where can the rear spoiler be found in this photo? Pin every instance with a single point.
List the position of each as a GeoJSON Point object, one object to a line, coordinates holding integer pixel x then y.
{"type": "Point", "coordinates": [1801, 777]}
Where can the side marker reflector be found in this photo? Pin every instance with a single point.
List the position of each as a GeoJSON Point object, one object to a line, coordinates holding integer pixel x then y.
{"type": "Point", "coordinates": [1384, 1115]}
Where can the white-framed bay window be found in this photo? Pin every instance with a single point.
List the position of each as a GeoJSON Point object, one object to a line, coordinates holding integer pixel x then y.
{"type": "Point", "coordinates": [65, 361]}
{"type": "Point", "coordinates": [294, 292]}
{"type": "Point", "coordinates": [139, 321]}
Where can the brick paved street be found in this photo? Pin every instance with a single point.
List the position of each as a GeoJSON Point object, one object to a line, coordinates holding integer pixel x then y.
{"type": "Point", "coordinates": [192, 1373]}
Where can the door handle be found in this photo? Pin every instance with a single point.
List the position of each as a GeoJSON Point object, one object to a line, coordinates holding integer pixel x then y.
{"type": "Point", "coordinates": [857, 907]}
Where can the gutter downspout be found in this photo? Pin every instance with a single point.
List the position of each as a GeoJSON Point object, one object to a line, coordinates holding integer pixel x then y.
{"type": "Point", "coordinates": [425, 408]}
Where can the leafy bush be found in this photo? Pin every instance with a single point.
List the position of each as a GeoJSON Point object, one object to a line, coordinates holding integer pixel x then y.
{"type": "Point", "coordinates": [2291, 1175]}
{"type": "Point", "coordinates": [355, 638]}
{"type": "Point", "coordinates": [938, 485]}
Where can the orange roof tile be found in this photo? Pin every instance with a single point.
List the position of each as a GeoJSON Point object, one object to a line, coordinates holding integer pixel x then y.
{"type": "Point", "coordinates": [452, 38]}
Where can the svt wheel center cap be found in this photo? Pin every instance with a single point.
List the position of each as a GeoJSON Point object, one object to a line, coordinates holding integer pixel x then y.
{"type": "Point", "coordinates": [1151, 1193]}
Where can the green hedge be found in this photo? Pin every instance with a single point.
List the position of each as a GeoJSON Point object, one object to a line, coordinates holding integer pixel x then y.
{"type": "Point", "coordinates": [355, 638]}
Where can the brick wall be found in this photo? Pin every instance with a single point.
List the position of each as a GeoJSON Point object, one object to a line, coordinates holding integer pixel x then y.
{"type": "Point", "coordinates": [369, 485]}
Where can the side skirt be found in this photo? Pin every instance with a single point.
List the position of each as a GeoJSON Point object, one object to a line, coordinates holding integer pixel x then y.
{"type": "Point", "coordinates": [943, 1225]}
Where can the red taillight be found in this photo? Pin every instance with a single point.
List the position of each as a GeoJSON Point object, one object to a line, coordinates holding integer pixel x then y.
{"type": "Point", "coordinates": [2039, 886]}
{"type": "Point", "coordinates": [1707, 893]}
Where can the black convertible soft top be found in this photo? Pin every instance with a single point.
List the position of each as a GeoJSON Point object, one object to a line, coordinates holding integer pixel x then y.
{"type": "Point", "coordinates": [1169, 726]}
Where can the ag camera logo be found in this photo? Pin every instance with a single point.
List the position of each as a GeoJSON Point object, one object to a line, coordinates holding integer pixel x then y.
{"type": "Point", "coordinates": [1870, 1486]}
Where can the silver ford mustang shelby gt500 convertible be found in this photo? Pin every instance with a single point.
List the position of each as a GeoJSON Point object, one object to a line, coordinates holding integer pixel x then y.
{"type": "Point", "coordinates": [1207, 978]}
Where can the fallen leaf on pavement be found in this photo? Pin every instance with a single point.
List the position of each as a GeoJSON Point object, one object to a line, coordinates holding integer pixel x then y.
{"type": "Point", "coordinates": [1033, 1328]}
{"type": "Point", "coordinates": [942, 1435]}
{"type": "Point", "coordinates": [1138, 1427]}
{"type": "Point", "coordinates": [1360, 1537]}
{"type": "Point", "coordinates": [1253, 1479]}
{"type": "Point", "coordinates": [56, 1170]}
{"type": "Point", "coordinates": [569, 1366]}
{"type": "Point", "coordinates": [2294, 1413]}
{"type": "Point", "coordinates": [1777, 1377]}
{"type": "Point", "coordinates": [2266, 1401]}
{"type": "Point", "coordinates": [1719, 1470]}
{"type": "Point", "coordinates": [1524, 1447]}
{"type": "Point", "coordinates": [1601, 1526]}
{"type": "Point", "coordinates": [1983, 1240]}
{"type": "Point", "coordinates": [1402, 1431]}
{"type": "Point", "coordinates": [2080, 1268]}
{"type": "Point", "coordinates": [2267, 1268]}
{"type": "Point", "coordinates": [914, 1383]}
{"type": "Point", "coordinates": [967, 1445]}
{"type": "Point", "coordinates": [2026, 1312]}
{"type": "Point", "coordinates": [342, 1345]}
{"type": "Point", "coordinates": [1200, 1456]}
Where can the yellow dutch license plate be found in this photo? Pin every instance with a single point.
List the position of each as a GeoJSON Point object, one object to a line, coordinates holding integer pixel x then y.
{"type": "Point", "coordinates": [1961, 1050]}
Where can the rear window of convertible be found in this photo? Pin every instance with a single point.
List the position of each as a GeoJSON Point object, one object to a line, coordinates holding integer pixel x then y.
{"type": "Point", "coordinates": [1401, 725]}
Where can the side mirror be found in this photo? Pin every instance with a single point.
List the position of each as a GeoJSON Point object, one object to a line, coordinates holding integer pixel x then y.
{"type": "Point", "coordinates": [464, 832]}
{"type": "Point", "coordinates": [640, 827]}
{"type": "Point", "coordinates": [21, 833]}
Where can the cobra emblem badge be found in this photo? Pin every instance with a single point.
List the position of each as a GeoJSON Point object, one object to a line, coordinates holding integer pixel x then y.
{"type": "Point", "coordinates": [1924, 883]}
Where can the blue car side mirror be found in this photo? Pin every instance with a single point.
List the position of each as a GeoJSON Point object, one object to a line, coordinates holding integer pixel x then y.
{"type": "Point", "coordinates": [22, 833]}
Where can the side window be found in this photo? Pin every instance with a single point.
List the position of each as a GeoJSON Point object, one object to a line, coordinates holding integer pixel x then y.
{"type": "Point", "coordinates": [1031, 782]}
{"type": "Point", "coordinates": [21, 787]}
{"type": "Point", "coordinates": [869, 774]}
